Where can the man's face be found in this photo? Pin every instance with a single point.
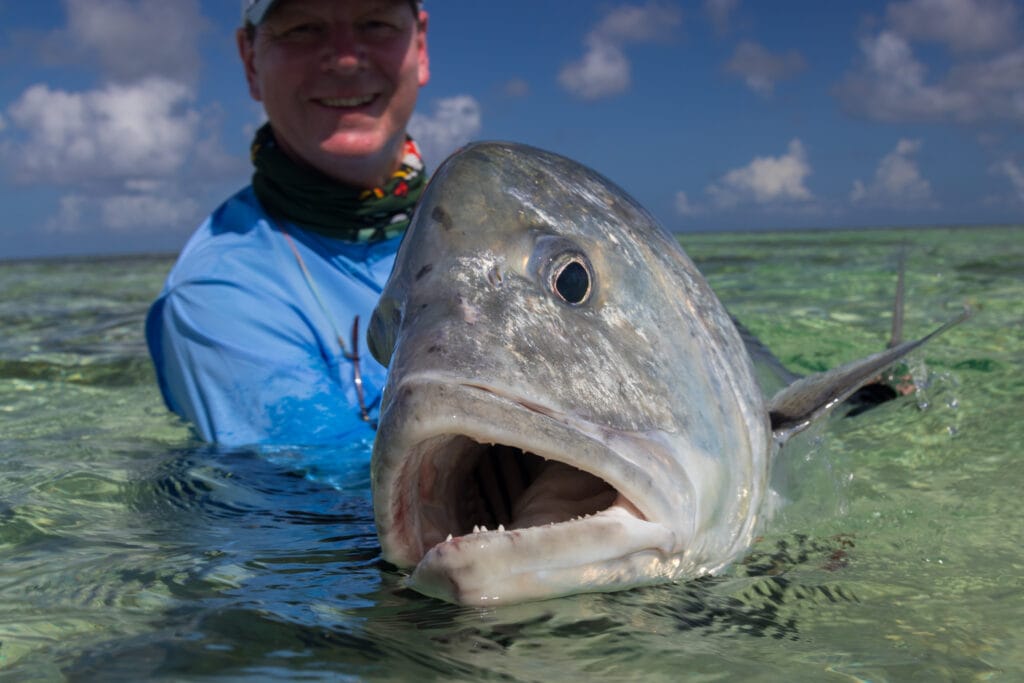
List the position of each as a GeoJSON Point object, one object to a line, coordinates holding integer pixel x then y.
{"type": "Point", "coordinates": [339, 80]}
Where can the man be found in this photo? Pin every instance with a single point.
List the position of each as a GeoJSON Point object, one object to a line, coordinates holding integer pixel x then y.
{"type": "Point", "coordinates": [256, 335]}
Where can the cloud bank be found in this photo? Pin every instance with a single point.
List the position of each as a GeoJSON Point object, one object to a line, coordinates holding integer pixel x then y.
{"type": "Point", "coordinates": [985, 78]}
{"type": "Point", "coordinates": [131, 40]}
{"type": "Point", "coordinates": [761, 69]}
{"type": "Point", "coordinates": [766, 180]}
{"type": "Point", "coordinates": [117, 132]}
{"type": "Point", "coordinates": [454, 122]}
{"type": "Point", "coordinates": [897, 182]}
{"type": "Point", "coordinates": [962, 25]}
{"type": "Point", "coordinates": [1014, 174]}
{"type": "Point", "coordinates": [121, 148]}
{"type": "Point", "coordinates": [720, 13]}
{"type": "Point", "coordinates": [604, 70]}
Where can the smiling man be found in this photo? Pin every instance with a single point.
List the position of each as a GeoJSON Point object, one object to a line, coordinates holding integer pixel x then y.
{"type": "Point", "coordinates": [255, 336]}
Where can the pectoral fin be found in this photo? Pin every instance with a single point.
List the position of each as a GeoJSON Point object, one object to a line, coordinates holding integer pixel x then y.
{"type": "Point", "coordinates": [794, 408]}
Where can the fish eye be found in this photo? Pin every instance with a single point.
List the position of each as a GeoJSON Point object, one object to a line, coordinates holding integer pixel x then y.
{"type": "Point", "coordinates": [571, 281]}
{"type": "Point", "coordinates": [561, 268]}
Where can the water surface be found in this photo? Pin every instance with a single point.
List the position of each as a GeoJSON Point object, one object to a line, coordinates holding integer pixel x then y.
{"type": "Point", "coordinates": [129, 550]}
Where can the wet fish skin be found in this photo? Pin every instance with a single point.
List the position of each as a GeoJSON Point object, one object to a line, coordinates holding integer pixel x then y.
{"type": "Point", "coordinates": [537, 307]}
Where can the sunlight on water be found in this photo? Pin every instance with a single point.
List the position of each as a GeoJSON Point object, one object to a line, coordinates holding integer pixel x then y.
{"type": "Point", "coordinates": [129, 550]}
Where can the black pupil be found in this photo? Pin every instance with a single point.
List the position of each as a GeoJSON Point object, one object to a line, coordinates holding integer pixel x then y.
{"type": "Point", "coordinates": [573, 283]}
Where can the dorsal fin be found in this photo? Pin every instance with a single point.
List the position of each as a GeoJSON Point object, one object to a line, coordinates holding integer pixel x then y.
{"type": "Point", "coordinates": [794, 408]}
{"type": "Point", "coordinates": [897, 307]}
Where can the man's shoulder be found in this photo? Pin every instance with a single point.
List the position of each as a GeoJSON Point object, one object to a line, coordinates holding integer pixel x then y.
{"type": "Point", "coordinates": [236, 233]}
{"type": "Point", "coordinates": [238, 221]}
{"type": "Point", "coordinates": [240, 245]}
{"type": "Point", "coordinates": [240, 214]}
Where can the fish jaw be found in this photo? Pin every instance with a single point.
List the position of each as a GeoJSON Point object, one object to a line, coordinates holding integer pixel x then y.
{"type": "Point", "coordinates": [593, 513]}
{"type": "Point", "coordinates": [500, 567]}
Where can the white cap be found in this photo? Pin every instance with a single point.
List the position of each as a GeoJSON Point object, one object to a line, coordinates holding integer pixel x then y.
{"type": "Point", "coordinates": [253, 11]}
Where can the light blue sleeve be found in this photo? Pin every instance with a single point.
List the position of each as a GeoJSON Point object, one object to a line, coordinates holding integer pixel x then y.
{"type": "Point", "coordinates": [245, 368]}
{"type": "Point", "coordinates": [247, 351]}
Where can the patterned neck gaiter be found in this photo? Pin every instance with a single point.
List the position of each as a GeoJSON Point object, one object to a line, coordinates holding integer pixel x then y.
{"type": "Point", "coordinates": [305, 196]}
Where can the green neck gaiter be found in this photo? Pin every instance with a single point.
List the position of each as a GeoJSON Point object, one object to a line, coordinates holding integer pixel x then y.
{"type": "Point", "coordinates": [305, 196]}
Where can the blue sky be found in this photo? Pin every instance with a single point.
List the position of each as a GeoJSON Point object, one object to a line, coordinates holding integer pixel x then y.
{"type": "Point", "coordinates": [124, 122]}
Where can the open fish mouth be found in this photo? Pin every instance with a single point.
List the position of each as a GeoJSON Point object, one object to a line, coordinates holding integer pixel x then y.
{"type": "Point", "coordinates": [508, 506]}
{"type": "Point", "coordinates": [499, 487]}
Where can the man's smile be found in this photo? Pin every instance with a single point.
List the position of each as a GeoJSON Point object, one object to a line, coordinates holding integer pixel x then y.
{"type": "Point", "coordinates": [346, 102]}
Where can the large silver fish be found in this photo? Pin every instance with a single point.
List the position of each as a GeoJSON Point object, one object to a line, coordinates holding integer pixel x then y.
{"type": "Point", "coordinates": [569, 407]}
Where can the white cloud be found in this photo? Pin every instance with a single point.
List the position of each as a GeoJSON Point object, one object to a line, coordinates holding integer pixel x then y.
{"type": "Point", "coordinates": [632, 24]}
{"type": "Point", "coordinates": [994, 88]}
{"type": "Point", "coordinates": [720, 13]}
{"type": "Point", "coordinates": [766, 180]}
{"type": "Point", "coordinates": [1014, 173]}
{"type": "Point", "coordinates": [890, 83]}
{"type": "Point", "coordinates": [604, 70]}
{"type": "Point", "coordinates": [128, 212]}
{"type": "Point", "coordinates": [683, 205]}
{"type": "Point", "coordinates": [132, 40]}
{"type": "Point", "coordinates": [455, 121]}
{"type": "Point", "coordinates": [69, 216]}
{"type": "Point", "coordinates": [962, 25]}
{"type": "Point", "coordinates": [116, 132]}
{"type": "Point", "coordinates": [516, 87]}
{"type": "Point", "coordinates": [897, 181]}
{"type": "Point", "coordinates": [131, 212]}
{"type": "Point", "coordinates": [761, 69]}
{"type": "Point", "coordinates": [122, 148]}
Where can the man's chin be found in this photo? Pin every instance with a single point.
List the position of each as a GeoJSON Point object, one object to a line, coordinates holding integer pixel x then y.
{"type": "Point", "coordinates": [369, 156]}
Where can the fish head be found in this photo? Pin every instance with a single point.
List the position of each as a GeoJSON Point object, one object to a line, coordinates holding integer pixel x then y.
{"type": "Point", "coordinates": [568, 407]}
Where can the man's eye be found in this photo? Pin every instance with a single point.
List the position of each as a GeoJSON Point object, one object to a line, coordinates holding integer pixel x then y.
{"type": "Point", "coordinates": [379, 29]}
{"type": "Point", "coordinates": [299, 31]}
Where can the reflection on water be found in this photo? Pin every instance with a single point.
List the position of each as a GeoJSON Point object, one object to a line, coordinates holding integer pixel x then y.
{"type": "Point", "coordinates": [129, 550]}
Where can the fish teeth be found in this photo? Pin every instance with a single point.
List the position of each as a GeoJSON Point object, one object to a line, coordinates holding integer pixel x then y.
{"type": "Point", "coordinates": [448, 539]}
{"type": "Point", "coordinates": [501, 528]}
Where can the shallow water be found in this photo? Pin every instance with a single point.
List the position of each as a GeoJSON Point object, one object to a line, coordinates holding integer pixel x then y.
{"type": "Point", "coordinates": [129, 550]}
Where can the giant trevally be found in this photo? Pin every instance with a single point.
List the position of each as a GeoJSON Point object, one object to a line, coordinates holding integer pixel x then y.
{"type": "Point", "coordinates": [569, 407]}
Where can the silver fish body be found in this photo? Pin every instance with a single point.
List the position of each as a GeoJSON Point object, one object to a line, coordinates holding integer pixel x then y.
{"type": "Point", "coordinates": [569, 407]}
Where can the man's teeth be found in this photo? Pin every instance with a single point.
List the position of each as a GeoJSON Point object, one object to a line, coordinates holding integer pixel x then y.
{"type": "Point", "coordinates": [346, 101]}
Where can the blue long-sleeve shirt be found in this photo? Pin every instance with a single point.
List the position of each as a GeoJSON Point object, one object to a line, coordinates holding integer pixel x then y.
{"type": "Point", "coordinates": [241, 345]}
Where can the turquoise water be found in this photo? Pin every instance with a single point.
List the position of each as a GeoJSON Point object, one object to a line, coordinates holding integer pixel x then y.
{"type": "Point", "coordinates": [128, 550]}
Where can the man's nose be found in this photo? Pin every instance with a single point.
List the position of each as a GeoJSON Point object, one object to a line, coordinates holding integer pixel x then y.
{"type": "Point", "coordinates": [344, 51]}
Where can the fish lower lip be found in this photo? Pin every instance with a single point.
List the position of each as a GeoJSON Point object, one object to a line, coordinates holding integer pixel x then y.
{"type": "Point", "coordinates": [509, 566]}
